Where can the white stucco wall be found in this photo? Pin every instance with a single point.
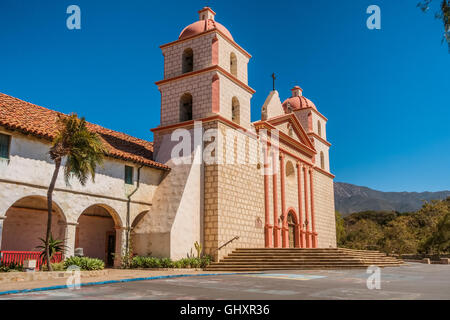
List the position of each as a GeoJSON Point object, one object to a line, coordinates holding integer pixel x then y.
{"type": "Point", "coordinates": [174, 223]}
{"type": "Point", "coordinates": [28, 173]}
{"type": "Point", "coordinates": [272, 106]}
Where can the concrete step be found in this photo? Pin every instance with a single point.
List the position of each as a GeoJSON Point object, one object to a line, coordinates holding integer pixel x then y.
{"type": "Point", "coordinates": [279, 263]}
{"type": "Point", "coordinates": [304, 261]}
{"type": "Point", "coordinates": [293, 255]}
{"type": "Point", "coordinates": [303, 267]}
{"type": "Point", "coordinates": [260, 259]}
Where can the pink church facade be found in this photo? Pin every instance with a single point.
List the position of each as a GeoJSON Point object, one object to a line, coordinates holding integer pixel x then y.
{"type": "Point", "coordinates": [268, 185]}
{"type": "Point", "coordinates": [205, 71]}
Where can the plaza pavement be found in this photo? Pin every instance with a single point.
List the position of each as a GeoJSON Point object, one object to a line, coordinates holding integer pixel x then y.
{"type": "Point", "coordinates": [409, 282]}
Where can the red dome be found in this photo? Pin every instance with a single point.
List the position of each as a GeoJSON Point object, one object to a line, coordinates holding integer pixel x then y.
{"type": "Point", "coordinates": [299, 102]}
{"type": "Point", "coordinates": [202, 26]}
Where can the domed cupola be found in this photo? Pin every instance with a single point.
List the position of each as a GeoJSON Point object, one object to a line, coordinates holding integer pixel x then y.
{"type": "Point", "coordinates": [297, 101]}
{"type": "Point", "coordinates": [206, 23]}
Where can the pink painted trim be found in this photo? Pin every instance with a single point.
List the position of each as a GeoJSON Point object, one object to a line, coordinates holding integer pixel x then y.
{"type": "Point", "coordinates": [305, 180]}
{"type": "Point", "coordinates": [215, 51]}
{"type": "Point", "coordinates": [297, 240]}
{"type": "Point", "coordinates": [332, 176]}
{"type": "Point", "coordinates": [315, 135]}
{"type": "Point", "coordinates": [313, 222]}
{"type": "Point", "coordinates": [207, 9]}
{"type": "Point", "coordinates": [290, 117]}
{"type": "Point", "coordinates": [268, 228]}
{"type": "Point", "coordinates": [276, 233]}
{"type": "Point", "coordinates": [208, 69]}
{"type": "Point", "coordinates": [215, 94]}
{"type": "Point", "coordinates": [306, 148]}
{"type": "Point", "coordinates": [310, 125]}
{"type": "Point", "coordinates": [231, 41]}
{"type": "Point", "coordinates": [285, 236]}
{"type": "Point", "coordinates": [300, 209]}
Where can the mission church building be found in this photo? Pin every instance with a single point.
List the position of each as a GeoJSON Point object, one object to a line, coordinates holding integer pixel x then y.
{"type": "Point", "coordinates": [143, 199]}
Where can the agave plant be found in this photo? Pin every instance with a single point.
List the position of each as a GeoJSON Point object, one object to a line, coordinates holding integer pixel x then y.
{"type": "Point", "coordinates": [54, 246]}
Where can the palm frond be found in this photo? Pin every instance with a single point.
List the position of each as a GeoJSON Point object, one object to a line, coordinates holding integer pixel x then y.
{"type": "Point", "coordinates": [82, 149]}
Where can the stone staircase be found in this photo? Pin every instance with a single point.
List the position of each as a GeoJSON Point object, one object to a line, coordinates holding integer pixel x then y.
{"type": "Point", "coordinates": [301, 259]}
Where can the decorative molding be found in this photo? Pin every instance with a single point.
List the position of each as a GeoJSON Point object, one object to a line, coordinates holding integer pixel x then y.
{"type": "Point", "coordinates": [205, 70]}
{"type": "Point", "coordinates": [232, 42]}
{"type": "Point", "coordinates": [32, 185]}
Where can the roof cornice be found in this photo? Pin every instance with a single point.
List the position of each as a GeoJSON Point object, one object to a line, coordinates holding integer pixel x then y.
{"type": "Point", "coordinates": [215, 30]}
{"type": "Point", "coordinates": [208, 69]}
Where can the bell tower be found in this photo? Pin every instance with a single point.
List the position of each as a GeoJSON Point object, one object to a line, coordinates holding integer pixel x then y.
{"type": "Point", "coordinates": [205, 80]}
{"type": "Point", "coordinates": [205, 74]}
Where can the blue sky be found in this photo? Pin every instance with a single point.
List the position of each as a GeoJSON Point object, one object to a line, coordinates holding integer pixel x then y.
{"type": "Point", "coordinates": [385, 92]}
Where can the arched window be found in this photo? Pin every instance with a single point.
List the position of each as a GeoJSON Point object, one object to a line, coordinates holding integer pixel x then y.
{"type": "Point", "coordinates": [290, 173]}
{"type": "Point", "coordinates": [188, 60]}
{"type": "Point", "coordinates": [186, 107]}
{"type": "Point", "coordinates": [233, 64]}
{"type": "Point", "coordinates": [319, 128]}
{"type": "Point", "coordinates": [235, 110]}
{"type": "Point", "coordinates": [322, 160]}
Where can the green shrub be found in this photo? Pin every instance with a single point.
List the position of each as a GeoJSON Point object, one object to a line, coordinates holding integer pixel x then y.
{"type": "Point", "coordinates": [155, 263]}
{"type": "Point", "coordinates": [205, 261]}
{"type": "Point", "coordinates": [147, 263]}
{"type": "Point", "coordinates": [137, 262]}
{"type": "Point", "coordinates": [194, 263]}
{"type": "Point", "coordinates": [184, 263]}
{"type": "Point", "coordinates": [166, 263]}
{"type": "Point", "coordinates": [84, 263]}
{"type": "Point", "coordinates": [11, 267]}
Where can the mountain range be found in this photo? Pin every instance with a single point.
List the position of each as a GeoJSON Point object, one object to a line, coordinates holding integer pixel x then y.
{"type": "Point", "coordinates": [350, 198]}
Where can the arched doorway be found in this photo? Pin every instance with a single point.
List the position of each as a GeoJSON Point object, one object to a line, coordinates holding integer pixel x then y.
{"type": "Point", "coordinates": [139, 243]}
{"type": "Point", "coordinates": [26, 223]}
{"type": "Point", "coordinates": [96, 233]}
{"type": "Point", "coordinates": [291, 230]}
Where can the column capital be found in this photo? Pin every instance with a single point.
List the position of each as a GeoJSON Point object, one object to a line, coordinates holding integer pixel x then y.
{"type": "Point", "coordinates": [282, 156]}
{"type": "Point", "coordinates": [2, 218]}
{"type": "Point", "coordinates": [71, 224]}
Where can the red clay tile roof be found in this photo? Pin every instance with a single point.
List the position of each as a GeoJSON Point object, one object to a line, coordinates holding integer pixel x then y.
{"type": "Point", "coordinates": [29, 118]}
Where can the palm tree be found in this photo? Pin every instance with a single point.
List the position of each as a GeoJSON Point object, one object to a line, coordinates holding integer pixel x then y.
{"type": "Point", "coordinates": [83, 151]}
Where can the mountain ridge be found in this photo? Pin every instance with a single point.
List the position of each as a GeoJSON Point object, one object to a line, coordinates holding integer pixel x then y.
{"type": "Point", "coordinates": [351, 198]}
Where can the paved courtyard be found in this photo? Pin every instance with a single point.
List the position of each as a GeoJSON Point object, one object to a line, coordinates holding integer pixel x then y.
{"type": "Point", "coordinates": [412, 281]}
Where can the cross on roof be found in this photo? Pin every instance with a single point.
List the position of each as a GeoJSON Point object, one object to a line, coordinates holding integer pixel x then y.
{"type": "Point", "coordinates": [274, 78]}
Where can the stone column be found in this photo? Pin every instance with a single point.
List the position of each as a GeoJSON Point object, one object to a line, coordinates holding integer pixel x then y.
{"type": "Point", "coordinates": [305, 180]}
{"type": "Point", "coordinates": [1, 230]}
{"type": "Point", "coordinates": [276, 227]}
{"type": "Point", "coordinates": [284, 230]}
{"type": "Point", "coordinates": [300, 234]}
{"type": "Point", "coordinates": [121, 234]}
{"type": "Point", "coordinates": [71, 231]}
{"type": "Point", "coordinates": [268, 229]}
{"type": "Point", "coordinates": [313, 222]}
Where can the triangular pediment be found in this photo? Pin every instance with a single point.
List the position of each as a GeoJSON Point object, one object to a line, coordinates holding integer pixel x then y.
{"type": "Point", "coordinates": [291, 128]}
